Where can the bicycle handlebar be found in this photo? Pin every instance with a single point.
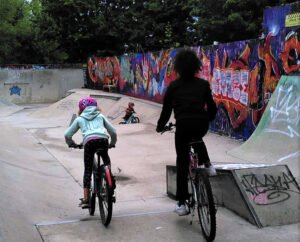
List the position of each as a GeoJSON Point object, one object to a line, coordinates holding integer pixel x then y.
{"type": "Point", "coordinates": [80, 146]}
{"type": "Point", "coordinates": [76, 146]}
{"type": "Point", "coordinates": [170, 126]}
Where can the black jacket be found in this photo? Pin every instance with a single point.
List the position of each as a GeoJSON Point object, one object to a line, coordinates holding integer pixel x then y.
{"type": "Point", "coordinates": [190, 99]}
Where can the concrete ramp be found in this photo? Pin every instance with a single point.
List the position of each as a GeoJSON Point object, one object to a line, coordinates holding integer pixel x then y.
{"type": "Point", "coordinates": [148, 112]}
{"type": "Point", "coordinates": [7, 108]}
{"type": "Point", "coordinates": [67, 106]}
{"type": "Point", "coordinates": [112, 105]}
{"type": "Point", "coordinates": [276, 139]}
{"type": "Point", "coordinates": [264, 195]}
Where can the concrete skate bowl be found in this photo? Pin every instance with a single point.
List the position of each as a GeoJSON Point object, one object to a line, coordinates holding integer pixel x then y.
{"type": "Point", "coordinates": [276, 138]}
{"type": "Point", "coordinates": [112, 106]}
{"type": "Point", "coordinates": [148, 112]}
{"type": "Point", "coordinates": [66, 107]}
{"type": "Point", "coordinates": [7, 108]}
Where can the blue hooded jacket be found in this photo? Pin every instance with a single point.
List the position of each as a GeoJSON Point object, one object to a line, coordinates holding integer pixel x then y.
{"type": "Point", "coordinates": [92, 124]}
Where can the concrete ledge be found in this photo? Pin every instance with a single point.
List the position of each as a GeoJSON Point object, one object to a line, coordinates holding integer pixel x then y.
{"type": "Point", "coordinates": [264, 195]}
{"type": "Point", "coordinates": [109, 88]}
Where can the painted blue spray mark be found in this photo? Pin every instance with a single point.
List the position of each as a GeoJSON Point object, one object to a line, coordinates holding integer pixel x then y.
{"type": "Point", "coordinates": [15, 90]}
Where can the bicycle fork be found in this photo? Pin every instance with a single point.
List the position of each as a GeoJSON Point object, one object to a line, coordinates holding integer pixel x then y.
{"type": "Point", "coordinates": [110, 181]}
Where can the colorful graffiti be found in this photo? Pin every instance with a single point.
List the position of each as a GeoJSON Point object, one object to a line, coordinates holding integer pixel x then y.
{"type": "Point", "coordinates": [243, 75]}
{"type": "Point", "coordinates": [290, 56]}
{"type": "Point", "coordinates": [104, 71]}
{"type": "Point", "coordinates": [147, 75]}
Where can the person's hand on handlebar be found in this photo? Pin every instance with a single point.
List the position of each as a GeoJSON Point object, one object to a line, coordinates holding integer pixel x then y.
{"type": "Point", "coordinates": [167, 127]}
{"type": "Point", "coordinates": [76, 146]}
{"type": "Point", "coordinates": [159, 129]}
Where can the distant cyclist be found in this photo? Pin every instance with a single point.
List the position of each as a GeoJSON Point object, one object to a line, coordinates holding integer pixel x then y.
{"type": "Point", "coordinates": [96, 130]}
{"type": "Point", "coordinates": [129, 111]}
{"type": "Point", "coordinates": [191, 99]}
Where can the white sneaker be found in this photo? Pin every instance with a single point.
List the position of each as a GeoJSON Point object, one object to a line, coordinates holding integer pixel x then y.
{"type": "Point", "coordinates": [181, 210]}
{"type": "Point", "coordinates": [211, 170]}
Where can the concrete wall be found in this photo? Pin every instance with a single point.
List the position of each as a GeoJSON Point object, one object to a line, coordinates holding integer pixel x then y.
{"type": "Point", "coordinates": [38, 86]}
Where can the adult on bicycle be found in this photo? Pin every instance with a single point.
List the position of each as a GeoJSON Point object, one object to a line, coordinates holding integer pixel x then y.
{"type": "Point", "coordinates": [96, 130]}
{"type": "Point", "coordinates": [191, 99]}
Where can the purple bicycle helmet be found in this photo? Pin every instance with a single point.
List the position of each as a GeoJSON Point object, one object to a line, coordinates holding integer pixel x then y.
{"type": "Point", "coordinates": [87, 102]}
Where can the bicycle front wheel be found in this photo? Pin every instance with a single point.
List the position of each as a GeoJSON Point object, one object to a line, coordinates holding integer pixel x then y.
{"type": "Point", "coordinates": [135, 120]}
{"type": "Point", "coordinates": [105, 196]}
{"type": "Point", "coordinates": [206, 207]}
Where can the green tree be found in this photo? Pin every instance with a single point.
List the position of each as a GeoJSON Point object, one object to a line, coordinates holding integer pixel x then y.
{"type": "Point", "coordinates": [65, 30]}
{"type": "Point", "coordinates": [229, 20]}
{"type": "Point", "coordinates": [15, 31]}
{"type": "Point", "coordinates": [68, 31]}
{"type": "Point", "coordinates": [165, 24]}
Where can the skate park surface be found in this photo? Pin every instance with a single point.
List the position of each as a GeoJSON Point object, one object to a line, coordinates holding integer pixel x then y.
{"type": "Point", "coordinates": [41, 178]}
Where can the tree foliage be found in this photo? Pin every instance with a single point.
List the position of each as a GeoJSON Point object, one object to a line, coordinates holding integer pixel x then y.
{"type": "Point", "coordinates": [230, 20]}
{"type": "Point", "coordinates": [68, 31]}
{"type": "Point", "coordinates": [15, 31]}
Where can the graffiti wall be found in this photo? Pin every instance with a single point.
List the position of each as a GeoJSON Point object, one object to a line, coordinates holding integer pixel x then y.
{"type": "Point", "coordinates": [243, 75]}
{"type": "Point", "coordinates": [283, 24]}
{"type": "Point", "coordinates": [103, 72]}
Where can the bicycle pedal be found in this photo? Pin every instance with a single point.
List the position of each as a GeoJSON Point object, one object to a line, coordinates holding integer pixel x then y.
{"type": "Point", "coordinates": [114, 198]}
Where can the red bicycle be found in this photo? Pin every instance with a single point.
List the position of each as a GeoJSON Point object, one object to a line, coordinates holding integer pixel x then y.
{"type": "Point", "coordinates": [103, 186]}
{"type": "Point", "coordinates": [201, 196]}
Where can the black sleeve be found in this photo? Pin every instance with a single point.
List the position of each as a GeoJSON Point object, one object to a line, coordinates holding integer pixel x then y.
{"type": "Point", "coordinates": [166, 110]}
{"type": "Point", "coordinates": [211, 105]}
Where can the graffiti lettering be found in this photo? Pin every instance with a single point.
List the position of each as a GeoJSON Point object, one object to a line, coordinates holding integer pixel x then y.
{"type": "Point", "coordinates": [231, 85]}
{"type": "Point", "coordinates": [267, 189]}
{"type": "Point", "coordinates": [286, 110]}
{"type": "Point", "coordinates": [14, 75]}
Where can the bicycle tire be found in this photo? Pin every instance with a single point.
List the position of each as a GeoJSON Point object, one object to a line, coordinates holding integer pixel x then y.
{"type": "Point", "coordinates": [105, 197]}
{"type": "Point", "coordinates": [92, 203]}
{"type": "Point", "coordinates": [206, 207]}
{"type": "Point", "coordinates": [136, 120]}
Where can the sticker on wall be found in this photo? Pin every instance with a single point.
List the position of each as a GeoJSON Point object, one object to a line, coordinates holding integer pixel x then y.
{"type": "Point", "coordinates": [292, 20]}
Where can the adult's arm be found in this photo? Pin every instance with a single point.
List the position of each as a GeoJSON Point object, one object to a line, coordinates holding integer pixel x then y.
{"type": "Point", "coordinates": [166, 110]}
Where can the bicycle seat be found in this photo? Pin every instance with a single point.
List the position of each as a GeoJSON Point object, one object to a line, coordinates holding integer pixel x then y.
{"type": "Point", "coordinates": [195, 142]}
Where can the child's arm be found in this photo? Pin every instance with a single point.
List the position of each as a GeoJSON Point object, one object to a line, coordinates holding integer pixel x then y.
{"type": "Point", "coordinates": [111, 130]}
{"type": "Point", "coordinates": [70, 132]}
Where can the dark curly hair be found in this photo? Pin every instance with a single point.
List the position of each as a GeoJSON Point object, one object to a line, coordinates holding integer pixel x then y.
{"type": "Point", "coordinates": [186, 63]}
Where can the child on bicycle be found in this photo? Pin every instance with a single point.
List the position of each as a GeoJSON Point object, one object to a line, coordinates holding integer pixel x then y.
{"type": "Point", "coordinates": [129, 111]}
{"type": "Point", "coordinates": [96, 130]}
{"type": "Point", "coordinates": [191, 99]}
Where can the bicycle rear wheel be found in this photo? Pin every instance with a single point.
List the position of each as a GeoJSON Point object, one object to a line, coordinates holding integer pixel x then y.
{"type": "Point", "coordinates": [105, 196]}
{"type": "Point", "coordinates": [206, 207]}
{"type": "Point", "coordinates": [92, 204]}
